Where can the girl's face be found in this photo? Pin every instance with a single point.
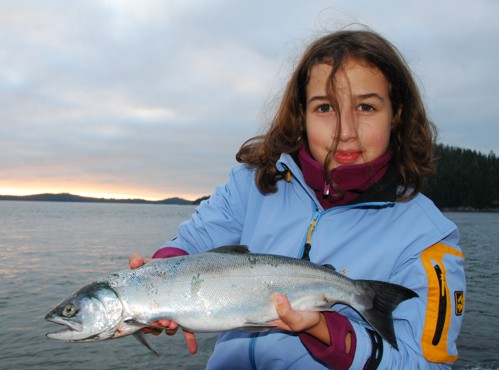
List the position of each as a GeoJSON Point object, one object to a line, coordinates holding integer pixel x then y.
{"type": "Point", "coordinates": [363, 96]}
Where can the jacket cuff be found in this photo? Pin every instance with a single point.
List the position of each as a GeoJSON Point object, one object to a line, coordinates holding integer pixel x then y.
{"type": "Point", "coordinates": [168, 252]}
{"type": "Point", "coordinates": [334, 356]}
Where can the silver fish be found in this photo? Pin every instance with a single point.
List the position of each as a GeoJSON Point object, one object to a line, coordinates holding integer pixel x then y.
{"type": "Point", "coordinates": [223, 289]}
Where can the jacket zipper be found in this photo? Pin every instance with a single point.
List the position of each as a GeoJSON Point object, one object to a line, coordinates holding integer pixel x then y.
{"type": "Point", "coordinates": [442, 306]}
{"type": "Point", "coordinates": [305, 250]}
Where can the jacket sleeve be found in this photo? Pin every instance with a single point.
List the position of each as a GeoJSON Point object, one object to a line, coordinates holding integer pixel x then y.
{"type": "Point", "coordinates": [218, 220]}
{"type": "Point", "coordinates": [335, 355]}
{"type": "Point", "coordinates": [169, 252]}
{"type": "Point", "coordinates": [426, 327]}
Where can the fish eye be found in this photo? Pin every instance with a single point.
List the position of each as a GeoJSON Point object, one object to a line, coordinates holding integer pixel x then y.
{"type": "Point", "coordinates": [69, 310]}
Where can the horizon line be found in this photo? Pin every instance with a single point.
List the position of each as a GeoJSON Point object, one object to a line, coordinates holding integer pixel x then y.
{"type": "Point", "coordinates": [100, 196]}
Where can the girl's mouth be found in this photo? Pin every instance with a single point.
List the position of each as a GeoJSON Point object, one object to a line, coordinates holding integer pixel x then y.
{"type": "Point", "coordinates": [346, 157]}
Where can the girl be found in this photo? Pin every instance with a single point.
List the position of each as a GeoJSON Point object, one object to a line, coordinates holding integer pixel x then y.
{"type": "Point", "coordinates": [336, 179]}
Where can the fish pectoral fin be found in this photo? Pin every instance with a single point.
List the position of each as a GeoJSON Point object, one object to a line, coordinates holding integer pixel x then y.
{"type": "Point", "coordinates": [142, 324]}
{"type": "Point", "coordinates": [251, 326]}
{"type": "Point", "coordinates": [142, 340]}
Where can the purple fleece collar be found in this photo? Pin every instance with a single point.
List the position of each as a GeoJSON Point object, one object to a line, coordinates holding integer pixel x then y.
{"type": "Point", "coordinates": [349, 180]}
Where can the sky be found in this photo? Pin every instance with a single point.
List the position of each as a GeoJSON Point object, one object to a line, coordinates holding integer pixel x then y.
{"type": "Point", "coordinates": [152, 98]}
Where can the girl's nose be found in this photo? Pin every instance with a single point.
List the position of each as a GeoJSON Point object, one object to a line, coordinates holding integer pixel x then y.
{"type": "Point", "coordinates": [348, 127]}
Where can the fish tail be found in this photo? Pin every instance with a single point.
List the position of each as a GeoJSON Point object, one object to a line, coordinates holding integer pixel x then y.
{"type": "Point", "coordinates": [385, 298]}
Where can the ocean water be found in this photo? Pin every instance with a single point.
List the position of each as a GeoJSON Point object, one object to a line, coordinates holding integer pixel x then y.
{"type": "Point", "coordinates": [49, 249]}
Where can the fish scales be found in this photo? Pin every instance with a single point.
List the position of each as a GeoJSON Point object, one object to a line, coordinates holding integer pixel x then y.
{"type": "Point", "coordinates": [192, 282]}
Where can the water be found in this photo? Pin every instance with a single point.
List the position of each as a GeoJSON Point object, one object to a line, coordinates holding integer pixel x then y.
{"type": "Point", "coordinates": [50, 249]}
{"type": "Point", "coordinates": [479, 339]}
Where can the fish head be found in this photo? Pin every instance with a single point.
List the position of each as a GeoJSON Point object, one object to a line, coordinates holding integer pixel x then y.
{"type": "Point", "coordinates": [90, 314]}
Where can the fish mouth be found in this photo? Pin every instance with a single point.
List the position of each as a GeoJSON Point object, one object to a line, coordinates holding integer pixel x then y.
{"type": "Point", "coordinates": [70, 328]}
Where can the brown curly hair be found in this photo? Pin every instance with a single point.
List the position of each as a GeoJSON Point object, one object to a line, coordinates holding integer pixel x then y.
{"type": "Point", "coordinates": [412, 134]}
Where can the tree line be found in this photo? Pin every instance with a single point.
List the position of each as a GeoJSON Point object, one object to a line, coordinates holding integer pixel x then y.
{"type": "Point", "coordinates": [465, 179]}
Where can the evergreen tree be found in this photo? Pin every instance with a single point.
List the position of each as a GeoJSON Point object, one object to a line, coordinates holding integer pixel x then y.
{"type": "Point", "coordinates": [464, 178]}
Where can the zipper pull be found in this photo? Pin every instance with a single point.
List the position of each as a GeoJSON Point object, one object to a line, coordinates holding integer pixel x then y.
{"type": "Point", "coordinates": [326, 189]}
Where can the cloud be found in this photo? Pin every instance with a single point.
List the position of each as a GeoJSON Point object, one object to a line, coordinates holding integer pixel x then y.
{"type": "Point", "coordinates": [154, 98]}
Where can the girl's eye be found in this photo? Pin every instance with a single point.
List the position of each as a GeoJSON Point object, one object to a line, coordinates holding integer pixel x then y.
{"type": "Point", "coordinates": [366, 108]}
{"type": "Point", "coordinates": [324, 108]}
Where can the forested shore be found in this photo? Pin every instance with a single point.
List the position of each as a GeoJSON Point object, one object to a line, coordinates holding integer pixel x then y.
{"type": "Point", "coordinates": [465, 180]}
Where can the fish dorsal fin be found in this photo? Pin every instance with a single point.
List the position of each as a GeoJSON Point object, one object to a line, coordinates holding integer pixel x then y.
{"type": "Point", "coordinates": [329, 266]}
{"type": "Point", "coordinates": [240, 249]}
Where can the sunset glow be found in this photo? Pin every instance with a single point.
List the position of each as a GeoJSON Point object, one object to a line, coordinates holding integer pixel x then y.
{"type": "Point", "coordinates": [93, 193]}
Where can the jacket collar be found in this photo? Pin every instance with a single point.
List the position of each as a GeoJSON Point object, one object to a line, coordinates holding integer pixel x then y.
{"type": "Point", "coordinates": [382, 193]}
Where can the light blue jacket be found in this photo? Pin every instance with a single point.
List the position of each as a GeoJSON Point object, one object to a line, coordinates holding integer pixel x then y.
{"type": "Point", "coordinates": [380, 241]}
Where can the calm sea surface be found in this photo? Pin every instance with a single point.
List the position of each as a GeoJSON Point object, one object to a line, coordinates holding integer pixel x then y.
{"type": "Point", "coordinates": [48, 250]}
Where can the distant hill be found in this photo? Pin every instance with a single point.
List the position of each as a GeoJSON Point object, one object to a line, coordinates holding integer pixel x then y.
{"type": "Point", "coordinates": [66, 197]}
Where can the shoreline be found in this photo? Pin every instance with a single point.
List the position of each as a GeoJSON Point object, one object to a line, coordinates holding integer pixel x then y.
{"type": "Point", "coordinates": [67, 197]}
{"type": "Point", "coordinates": [70, 198]}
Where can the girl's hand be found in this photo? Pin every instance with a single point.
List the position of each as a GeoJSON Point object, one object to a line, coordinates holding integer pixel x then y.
{"type": "Point", "coordinates": [136, 260]}
{"type": "Point", "coordinates": [310, 322]}
{"type": "Point", "coordinates": [170, 327]}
